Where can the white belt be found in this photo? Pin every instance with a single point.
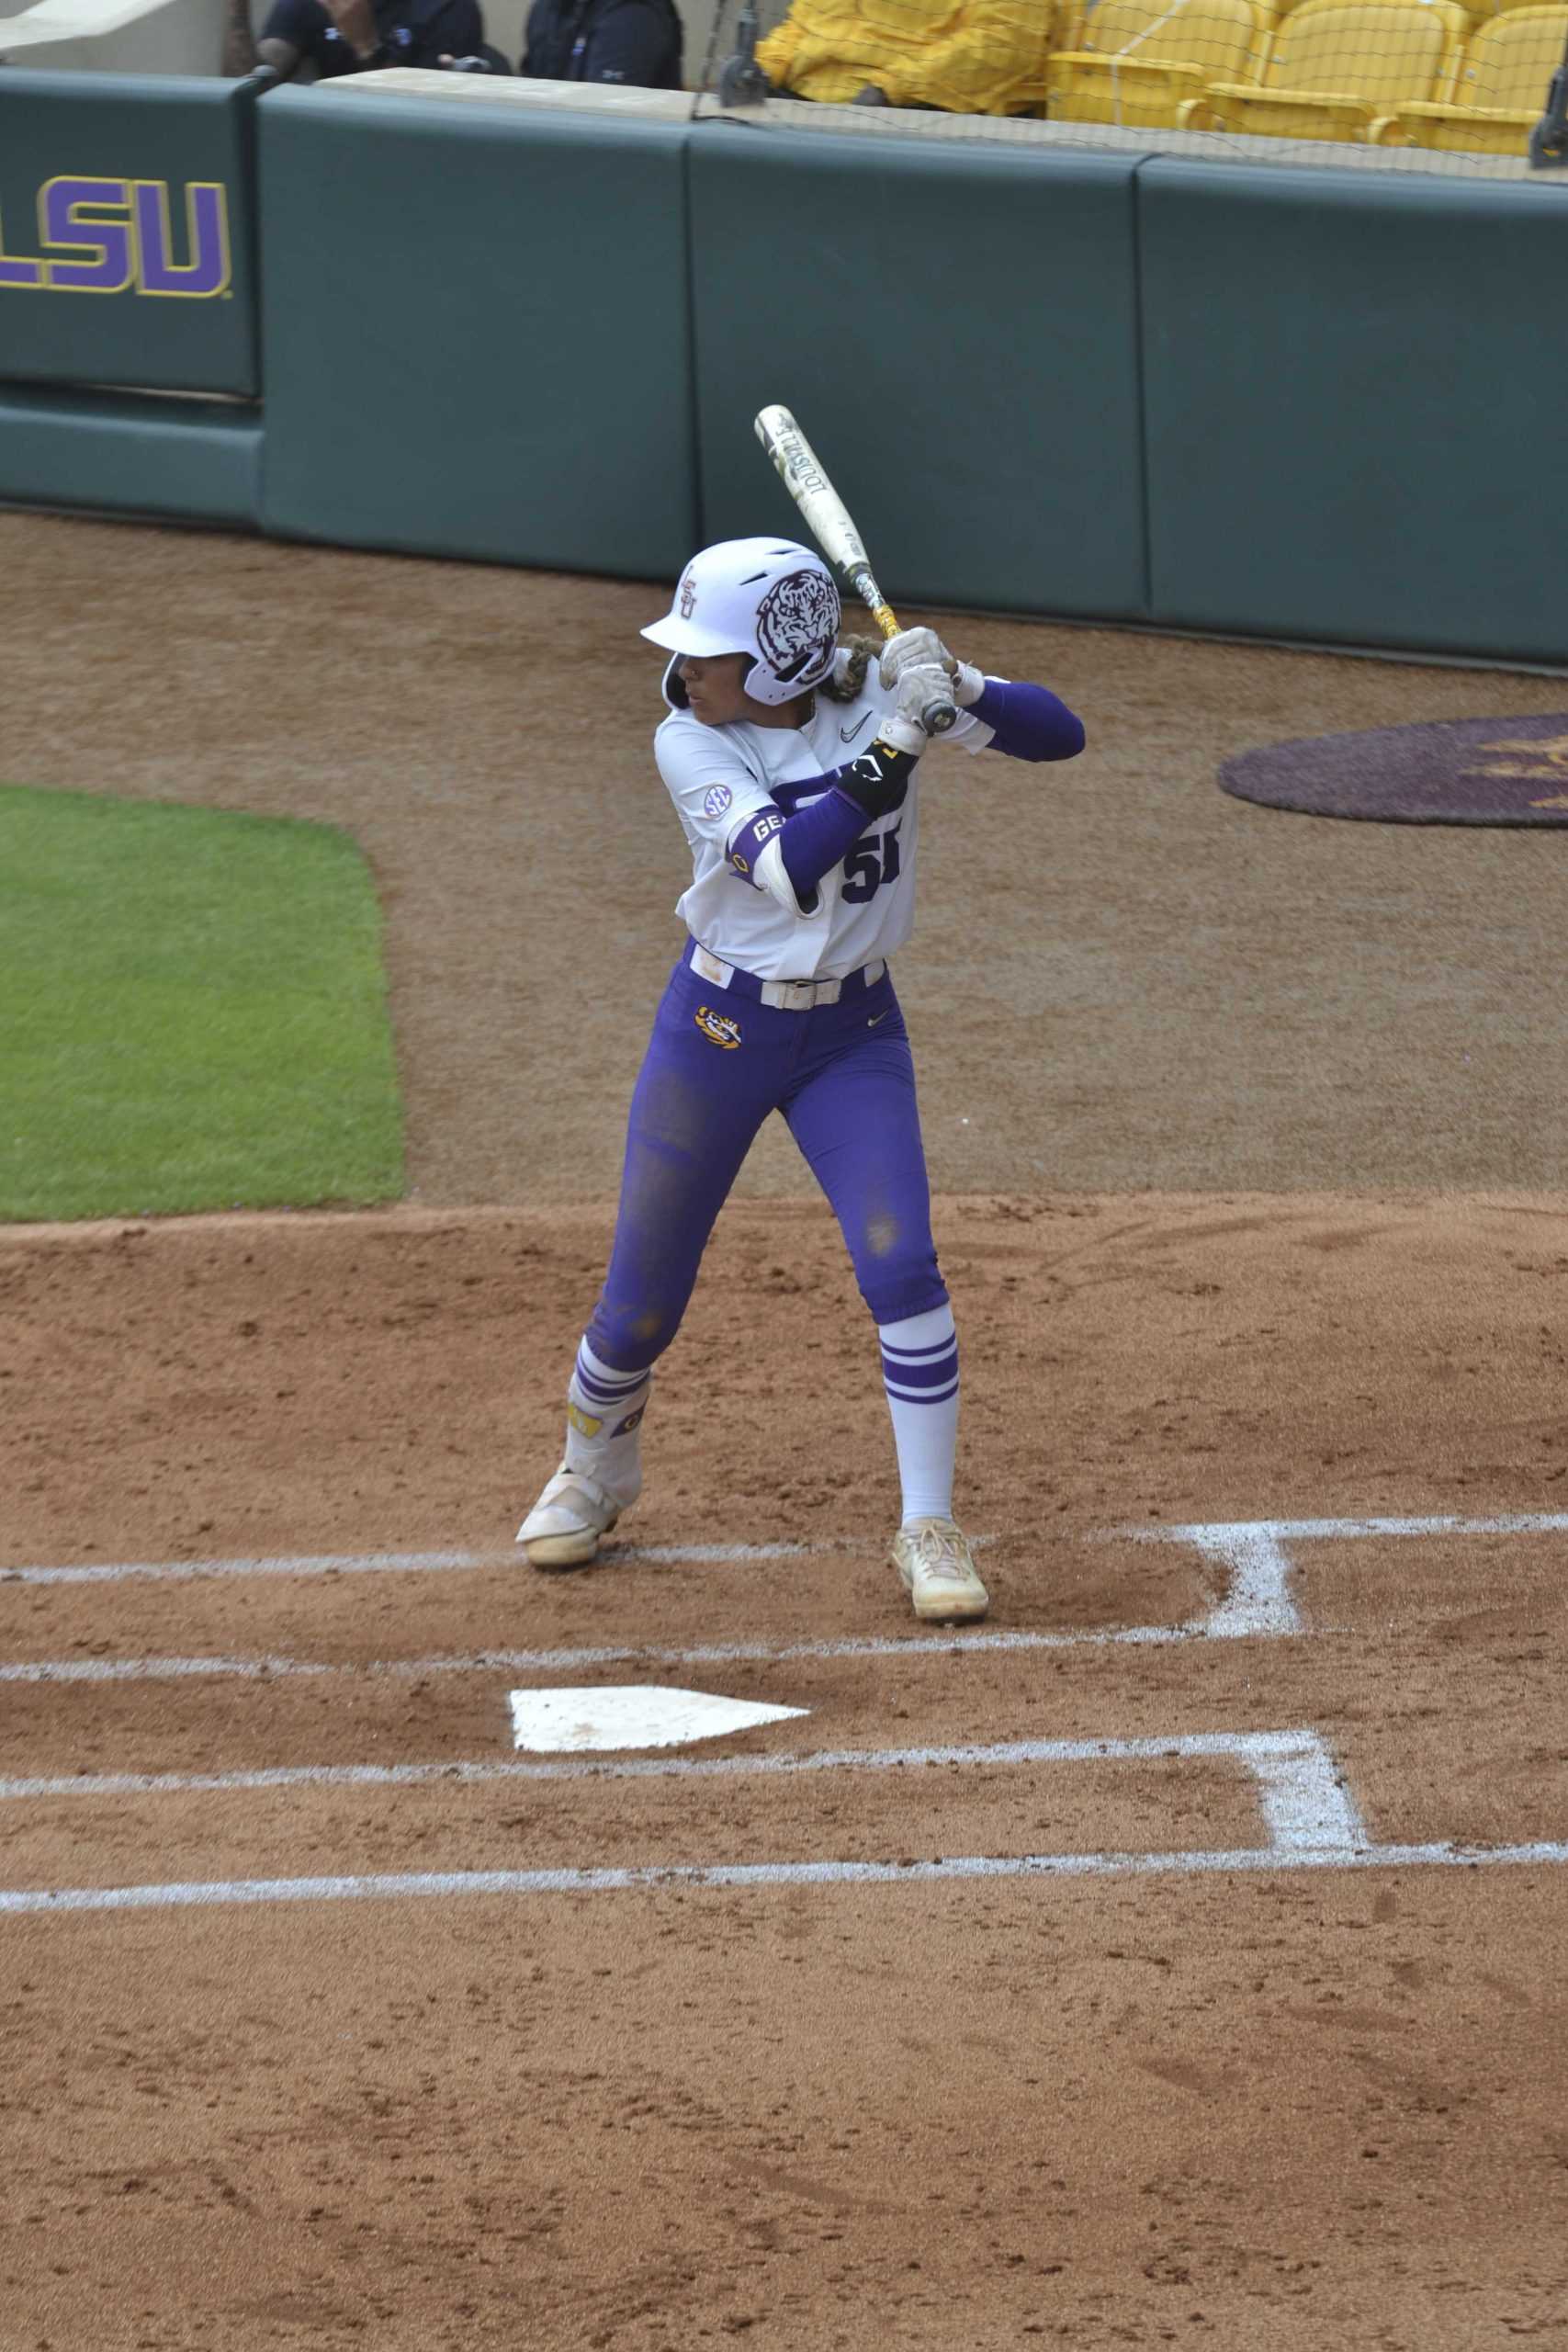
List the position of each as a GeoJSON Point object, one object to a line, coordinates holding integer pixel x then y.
{"type": "Point", "coordinates": [786, 996]}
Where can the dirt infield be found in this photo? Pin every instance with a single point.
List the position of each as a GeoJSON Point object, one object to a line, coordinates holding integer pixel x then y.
{"type": "Point", "coordinates": [1177, 1959]}
{"type": "Point", "coordinates": [1123, 979]}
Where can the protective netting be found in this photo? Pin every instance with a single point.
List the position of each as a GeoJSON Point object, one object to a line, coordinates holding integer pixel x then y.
{"type": "Point", "coordinates": [1404, 81]}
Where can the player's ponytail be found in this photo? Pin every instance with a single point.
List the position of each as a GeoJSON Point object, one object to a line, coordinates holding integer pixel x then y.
{"type": "Point", "coordinates": [847, 677]}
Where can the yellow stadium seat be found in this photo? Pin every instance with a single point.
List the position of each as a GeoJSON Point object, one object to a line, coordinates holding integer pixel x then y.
{"type": "Point", "coordinates": [1138, 61]}
{"type": "Point", "coordinates": [1499, 90]}
{"type": "Point", "coordinates": [1473, 11]}
{"type": "Point", "coordinates": [961, 56]}
{"type": "Point", "coordinates": [1336, 67]}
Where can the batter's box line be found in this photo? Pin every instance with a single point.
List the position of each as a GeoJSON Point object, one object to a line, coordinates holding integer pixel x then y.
{"type": "Point", "coordinates": [426, 1563]}
{"type": "Point", "coordinates": [1305, 1806]}
{"type": "Point", "coordinates": [659, 1878]}
{"type": "Point", "coordinates": [1304, 1799]}
{"type": "Point", "coordinates": [1257, 1600]}
{"type": "Point", "coordinates": [1311, 1820]}
{"type": "Point", "coordinates": [1250, 1546]}
{"type": "Point", "coordinates": [1257, 1603]}
{"type": "Point", "coordinates": [557, 1661]}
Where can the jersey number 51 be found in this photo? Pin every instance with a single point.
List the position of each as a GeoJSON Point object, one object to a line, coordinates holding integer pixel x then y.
{"type": "Point", "coordinates": [872, 861]}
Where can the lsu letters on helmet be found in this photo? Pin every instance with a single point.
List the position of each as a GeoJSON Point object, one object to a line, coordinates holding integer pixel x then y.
{"type": "Point", "coordinates": [766, 597]}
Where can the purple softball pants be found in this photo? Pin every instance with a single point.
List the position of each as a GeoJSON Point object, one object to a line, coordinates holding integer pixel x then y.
{"type": "Point", "coordinates": [717, 1064]}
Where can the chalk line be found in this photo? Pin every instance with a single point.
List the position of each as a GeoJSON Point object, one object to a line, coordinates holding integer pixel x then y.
{"type": "Point", "coordinates": [327, 1563]}
{"type": "Point", "coordinates": [1292, 1767]}
{"type": "Point", "coordinates": [697, 1877]}
{"type": "Point", "coordinates": [1257, 1601]}
{"type": "Point", "coordinates": [1212, 1533]}
{"type": "Point", "coordinates": [1211, 1536]}
{"type": "Point", "coordinates": [158, 1669]}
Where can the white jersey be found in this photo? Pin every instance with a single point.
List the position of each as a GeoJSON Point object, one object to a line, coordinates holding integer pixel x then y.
{"type": "Point", "coordinates": [720, 776]}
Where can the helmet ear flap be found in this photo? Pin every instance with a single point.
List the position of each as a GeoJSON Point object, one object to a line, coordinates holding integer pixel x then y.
{"type": "Point", "coordinates": [800, 678]}
{"type": "Point", "coordinates": [675, 685]}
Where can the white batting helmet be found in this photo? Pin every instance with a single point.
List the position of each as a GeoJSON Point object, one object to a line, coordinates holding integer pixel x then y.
{"type": "Point", "coordinates": [766, 597]}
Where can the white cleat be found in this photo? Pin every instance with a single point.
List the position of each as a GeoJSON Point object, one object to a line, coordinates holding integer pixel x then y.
{"type": "Point", "coordinates": [563, 1529]}
{"type": "Point", "coordinates": [936, 1568]}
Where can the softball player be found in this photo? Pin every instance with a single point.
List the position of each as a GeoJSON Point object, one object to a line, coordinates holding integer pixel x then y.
{"type": "Point", "coordinates": [792, 764]}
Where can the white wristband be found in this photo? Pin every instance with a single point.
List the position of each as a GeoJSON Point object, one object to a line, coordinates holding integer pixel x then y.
{"type": "Point", "coordinates": [903, 735]}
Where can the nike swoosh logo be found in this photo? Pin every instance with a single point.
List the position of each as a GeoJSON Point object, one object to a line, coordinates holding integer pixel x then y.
{"type": "Point", "coordinates": [877, 1017]}
{"type": "Point", "coordinates": [847, 734]}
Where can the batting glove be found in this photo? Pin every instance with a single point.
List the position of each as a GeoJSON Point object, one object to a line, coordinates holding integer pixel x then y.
{"type": "Point", "coordinates": [920, 685]}
{"type": "Point", "coordinates": [917, 649]}
{"type": "Point", "coordinates": [912, 649]}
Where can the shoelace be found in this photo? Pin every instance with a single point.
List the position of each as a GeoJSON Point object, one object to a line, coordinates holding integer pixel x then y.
{"type": "Point", "coordinates": [936, 1552]}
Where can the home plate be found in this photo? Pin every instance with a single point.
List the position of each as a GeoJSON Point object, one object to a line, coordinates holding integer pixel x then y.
{"type": "Point", "coordinates": [633, 1716]}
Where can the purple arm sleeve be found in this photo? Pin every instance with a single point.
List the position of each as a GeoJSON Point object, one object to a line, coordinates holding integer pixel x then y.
{"type": "Point", "coordinates": [1029, 722]}
{"type": "Point", "coordinates": [814, 839]}
{"type": "Point", "coordinates": [811, 841]}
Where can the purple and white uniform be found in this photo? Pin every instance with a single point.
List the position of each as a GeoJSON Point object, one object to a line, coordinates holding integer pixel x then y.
{"type": "Point", "coordinates": [804, 844]}
{"type": "Point", "coordinates": [832, 1055]}
{"type": "Point", "coordinates": [718, 776]}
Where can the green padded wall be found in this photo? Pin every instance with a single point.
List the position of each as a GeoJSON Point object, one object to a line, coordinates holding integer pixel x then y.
{"type": "Point", "coordinates": [111, 450]}
{"type": "Point", "coordinates": [477, 332]}
{"type": "Point", "coordinates": [126, 232]}
{"type": "Point", "coordinates": [956, 328]}
{"type": "Point", "coordinates": [1355, 396]}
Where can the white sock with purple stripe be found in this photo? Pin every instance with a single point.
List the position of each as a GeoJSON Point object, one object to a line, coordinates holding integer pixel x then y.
{"type": "Point", "coordinates": [603, 1414]}
{"type": "Point", "coordinates": [919, 1372]}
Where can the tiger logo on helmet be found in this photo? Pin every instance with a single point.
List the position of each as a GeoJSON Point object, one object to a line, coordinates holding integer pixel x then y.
{"type": "Point", "coordinates": [797, 622]}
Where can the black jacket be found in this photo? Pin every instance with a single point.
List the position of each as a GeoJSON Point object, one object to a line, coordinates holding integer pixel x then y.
{"type": "Point", "coordinates": [638, 42]}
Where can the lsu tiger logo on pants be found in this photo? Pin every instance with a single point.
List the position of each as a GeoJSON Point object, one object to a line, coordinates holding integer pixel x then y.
{"type": "Point", "coordinates": [718, 1028]}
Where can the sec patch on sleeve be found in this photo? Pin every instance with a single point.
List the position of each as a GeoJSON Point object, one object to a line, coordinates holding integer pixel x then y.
{"type": "Point", "coordinates": [717, 799]}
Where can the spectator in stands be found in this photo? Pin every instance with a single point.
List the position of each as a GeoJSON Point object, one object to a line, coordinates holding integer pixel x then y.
{"type": "Point", "coordinates": [635, 42]}
{"type": "Point", "coordinates": [959, 56]}
{"type": "Point", "coordinates": [359, 37]}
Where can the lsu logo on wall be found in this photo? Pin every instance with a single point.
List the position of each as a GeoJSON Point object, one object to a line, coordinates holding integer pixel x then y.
{"type": "Point", "coordinates": [718, 1028]}
{"type": "Point", "coordinates": [101, 237]}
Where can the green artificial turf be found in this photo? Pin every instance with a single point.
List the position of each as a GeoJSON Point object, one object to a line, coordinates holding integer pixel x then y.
{"type": "Point", "coordinates": [193, 1012]}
